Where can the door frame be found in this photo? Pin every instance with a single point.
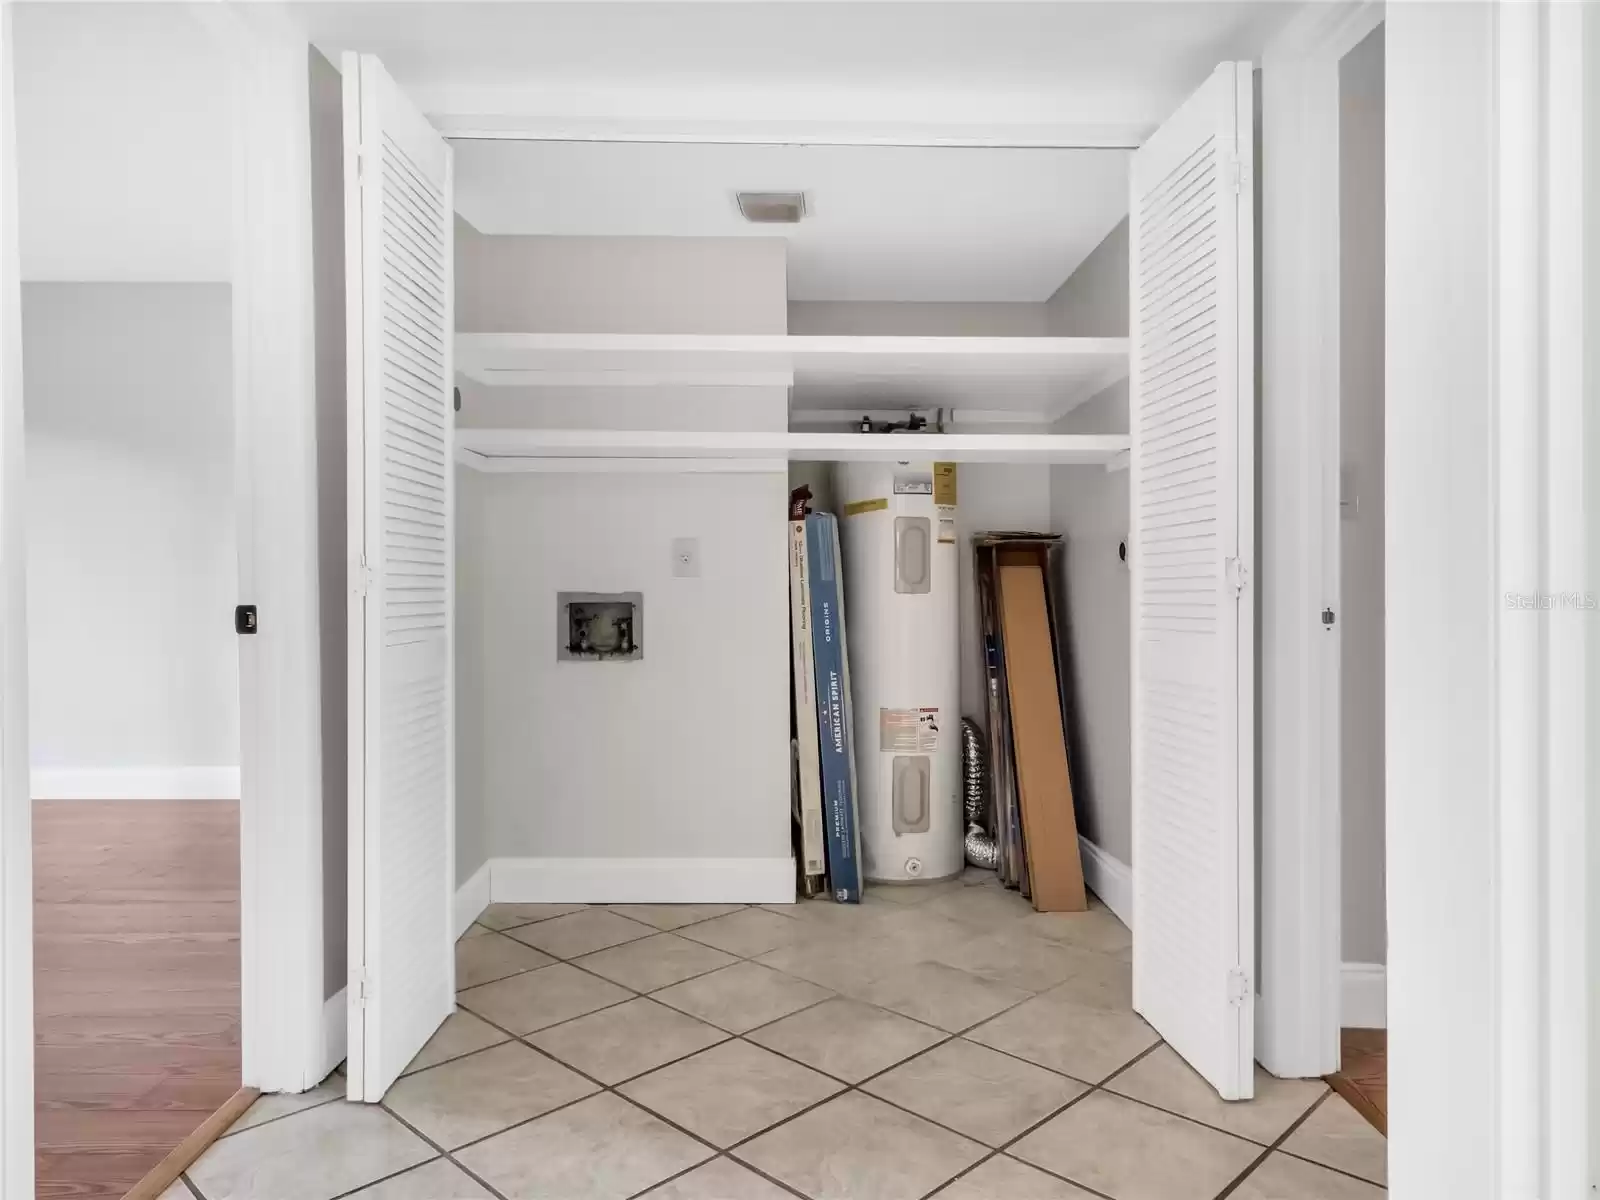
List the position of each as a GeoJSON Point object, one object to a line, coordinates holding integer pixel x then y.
{"type": "Point", "coordinates": [1298, 1020]}
{"type": "Point", "coordinates": [1488, 830]}
{"type": "Point", "coordinates": [291, 1035]}
{"type": "Point", "coordinates": [16, 802]}
{"type": "Point", "coordinates": [285, 1046]}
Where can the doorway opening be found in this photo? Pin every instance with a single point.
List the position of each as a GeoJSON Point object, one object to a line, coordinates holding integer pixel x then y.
{"type": "Point", "coordinates": [1362, 1077]}
{"type": "Point", "coordinates": [123, 174]}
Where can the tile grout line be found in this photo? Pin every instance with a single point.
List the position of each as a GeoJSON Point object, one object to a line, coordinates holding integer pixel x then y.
{"type": "Point", "coordinates": [612, 1089]}
{"type": "Point", "coordinates": [1306, 1116]}
{"type": "Point", "coordinates": [845, 1086]}
{"type": "Point", "coordinates": [233, 1131]}
{"type": "Point", "coordinates": [1089, 1089]}
{"type": "Point", "coordinates": [1328, 1167]}
{"type": "Point", "coordinates": [447, 1155]}
{"type": "Point", "coordinates": [945, 1038]}
{"type": "Point", "coordinates": [723, 1155]}
{"type": "Point", "coordinates": [1267, 1153]}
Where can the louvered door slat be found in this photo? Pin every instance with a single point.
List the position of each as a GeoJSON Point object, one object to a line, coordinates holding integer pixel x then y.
{"type": "Point", "coordinates": [398, 240]}
{"type": "Point", "coordinates": [1192, 467]}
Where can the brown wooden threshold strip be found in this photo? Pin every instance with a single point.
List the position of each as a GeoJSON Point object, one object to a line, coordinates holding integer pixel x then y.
{"type": "Point", "coordinates": [165, 1173]}
{"type": "Point", "coordinates": [1363, 1075]}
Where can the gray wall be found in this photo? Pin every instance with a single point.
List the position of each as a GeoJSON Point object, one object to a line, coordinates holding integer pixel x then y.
{"type": "Point", "coordinates": [1361, 404]}
{"type": "Point", "coordinates": [928, 320]}
{"type": "Point", "coordinates": [472, 838]}
{"type": "Point", "coordinates": [576, 759]}
{"type": "Point", "coordinates": [132, 562]}
{"type": "Point", "coordinates": [619, 284]}
{"type": "Point", "coordinates": [684, 754]}
{"type": "Point", "coordinates": [1089, 508]}
{"type": "Point", "coordinates": [1093, 302]}
{"type": "Point", "coordinates": [327, 242]}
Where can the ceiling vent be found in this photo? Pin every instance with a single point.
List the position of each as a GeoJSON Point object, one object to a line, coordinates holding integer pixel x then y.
{"type": "Point", "coordinates": [773, 208]}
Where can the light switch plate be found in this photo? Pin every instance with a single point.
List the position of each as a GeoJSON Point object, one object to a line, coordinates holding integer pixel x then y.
{"type": "Point", "coordinates": [686, 558]}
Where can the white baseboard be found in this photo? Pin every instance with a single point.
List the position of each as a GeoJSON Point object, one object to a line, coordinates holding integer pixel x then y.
{"type": "Point", "coordinates": [1364, 996]}
{"type": "Point", "coordinates": [1109, 878]}
{"type": "Point", "coordinates": [642, 880]}
{"type": "Point", "coordinates": [472, 897]}
{"type": "Point", "coordinates": [135, 783]}
{"type": "Point", "coordinates": [335, 1032]}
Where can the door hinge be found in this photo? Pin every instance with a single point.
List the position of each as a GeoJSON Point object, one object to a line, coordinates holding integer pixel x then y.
{"type": "Point", "coordinates": [1238, 986]}
{"type": "Point", "coordinates": [361, 986]}
{"type": "Point", "coordinates": [244, 618]}
{"type": "Point", "coordinates": [1327, 616]}
{"type": "Point", "coordinates": [1239, 173]}
{"type": "Point", "coordinates": [1238, 575]}
{"type": "Point", "coordinates": [361, 167]}
{"type": "Point", "coordinates": [361, 577]}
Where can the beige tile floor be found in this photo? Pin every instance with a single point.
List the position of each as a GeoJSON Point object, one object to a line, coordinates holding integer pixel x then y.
{"type": "Point", "coordinates": [943, 1042]}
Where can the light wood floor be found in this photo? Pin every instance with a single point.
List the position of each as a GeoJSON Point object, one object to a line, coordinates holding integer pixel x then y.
{"type": "Point", "coordinates": [136, 992]}
{"type": "Point", "coordinates": [1363, 1077]}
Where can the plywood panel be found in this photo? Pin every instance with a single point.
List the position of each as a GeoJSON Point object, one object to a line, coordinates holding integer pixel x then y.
{"type": "Point", "coordinates": [1050, 829]}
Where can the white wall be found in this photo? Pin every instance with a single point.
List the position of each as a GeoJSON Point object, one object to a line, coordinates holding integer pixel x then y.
{"type": "Point", "coordinates": [1361, 403]}
{"type": "Point", "coordinates": [683, 754]}
{"type": "Point", "coordinates": [132, 568]}
{"type": "Point", "coordinates": [1442, 582]}
{"type": "Point", "coordinates": [123, 143]}
{"type": "Point", "coordinates": [1089, 508]}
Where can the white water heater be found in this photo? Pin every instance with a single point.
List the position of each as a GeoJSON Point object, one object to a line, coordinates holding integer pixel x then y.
{"type": "Point", "coordinates": [898, 535]}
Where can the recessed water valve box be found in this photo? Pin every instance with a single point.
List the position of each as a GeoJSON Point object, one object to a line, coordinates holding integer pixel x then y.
{"type": "Point", "coordinates": [600, 627]}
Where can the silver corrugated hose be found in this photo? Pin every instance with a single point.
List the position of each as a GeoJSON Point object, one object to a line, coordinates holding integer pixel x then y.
{"type": "Point", "coordinates": [980, 846]}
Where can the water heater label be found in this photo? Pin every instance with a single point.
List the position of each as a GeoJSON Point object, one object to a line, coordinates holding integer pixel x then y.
{"type": "Point", "coordinates": [858, 507]}
{"type": "Point", "coordinates": [908, 730]}
{"type": "Point", "coordinates": [944, 484]}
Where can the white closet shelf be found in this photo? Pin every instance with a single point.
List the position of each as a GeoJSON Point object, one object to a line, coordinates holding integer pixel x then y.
{"type": "Point", "coordinates": [540, 449]}
{"type": "Point", "coordinates": [833, 362]}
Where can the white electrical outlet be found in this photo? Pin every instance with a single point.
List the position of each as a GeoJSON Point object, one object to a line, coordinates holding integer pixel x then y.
{"type": "Point", "coordinates": [686, 558]}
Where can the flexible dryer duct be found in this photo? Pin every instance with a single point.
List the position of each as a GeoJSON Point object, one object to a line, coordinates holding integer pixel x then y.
{"type": "Point", "coordinates": [980, 846]}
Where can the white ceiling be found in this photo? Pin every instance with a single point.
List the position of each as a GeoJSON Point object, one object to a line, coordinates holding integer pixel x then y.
{"type": "Point", "coordinates": [883, 222]}
{"type": "Point", "coordinates": [123, 144]}
{"type": "Point", "coordinates": [1107, 65]}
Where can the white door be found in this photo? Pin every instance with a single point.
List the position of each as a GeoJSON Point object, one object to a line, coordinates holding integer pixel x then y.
{"type": "Point", "coordinates": [1191, 407]}
{"type": "Point", "coordinates": [399, 285]}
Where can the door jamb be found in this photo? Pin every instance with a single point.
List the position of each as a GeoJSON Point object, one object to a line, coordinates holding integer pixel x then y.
{"type": "Point", "coordinates": [1297, 1029]}
{"type": "Point", "coordinates": [280, 807]}
{"type": "Point", "coordinates": [284, 1047]}
{"type": "Point", "coordinates": [16, 803]}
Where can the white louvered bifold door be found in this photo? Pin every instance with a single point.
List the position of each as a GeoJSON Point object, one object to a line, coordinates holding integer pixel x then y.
{"type": "Point", "coordinates": [399, 303]}
{"type": "Point", "coordinates": [1191, 404]}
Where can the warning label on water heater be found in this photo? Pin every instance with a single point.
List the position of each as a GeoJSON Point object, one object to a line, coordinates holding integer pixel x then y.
{"type": "Point", "coordinates": [908, 730]}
